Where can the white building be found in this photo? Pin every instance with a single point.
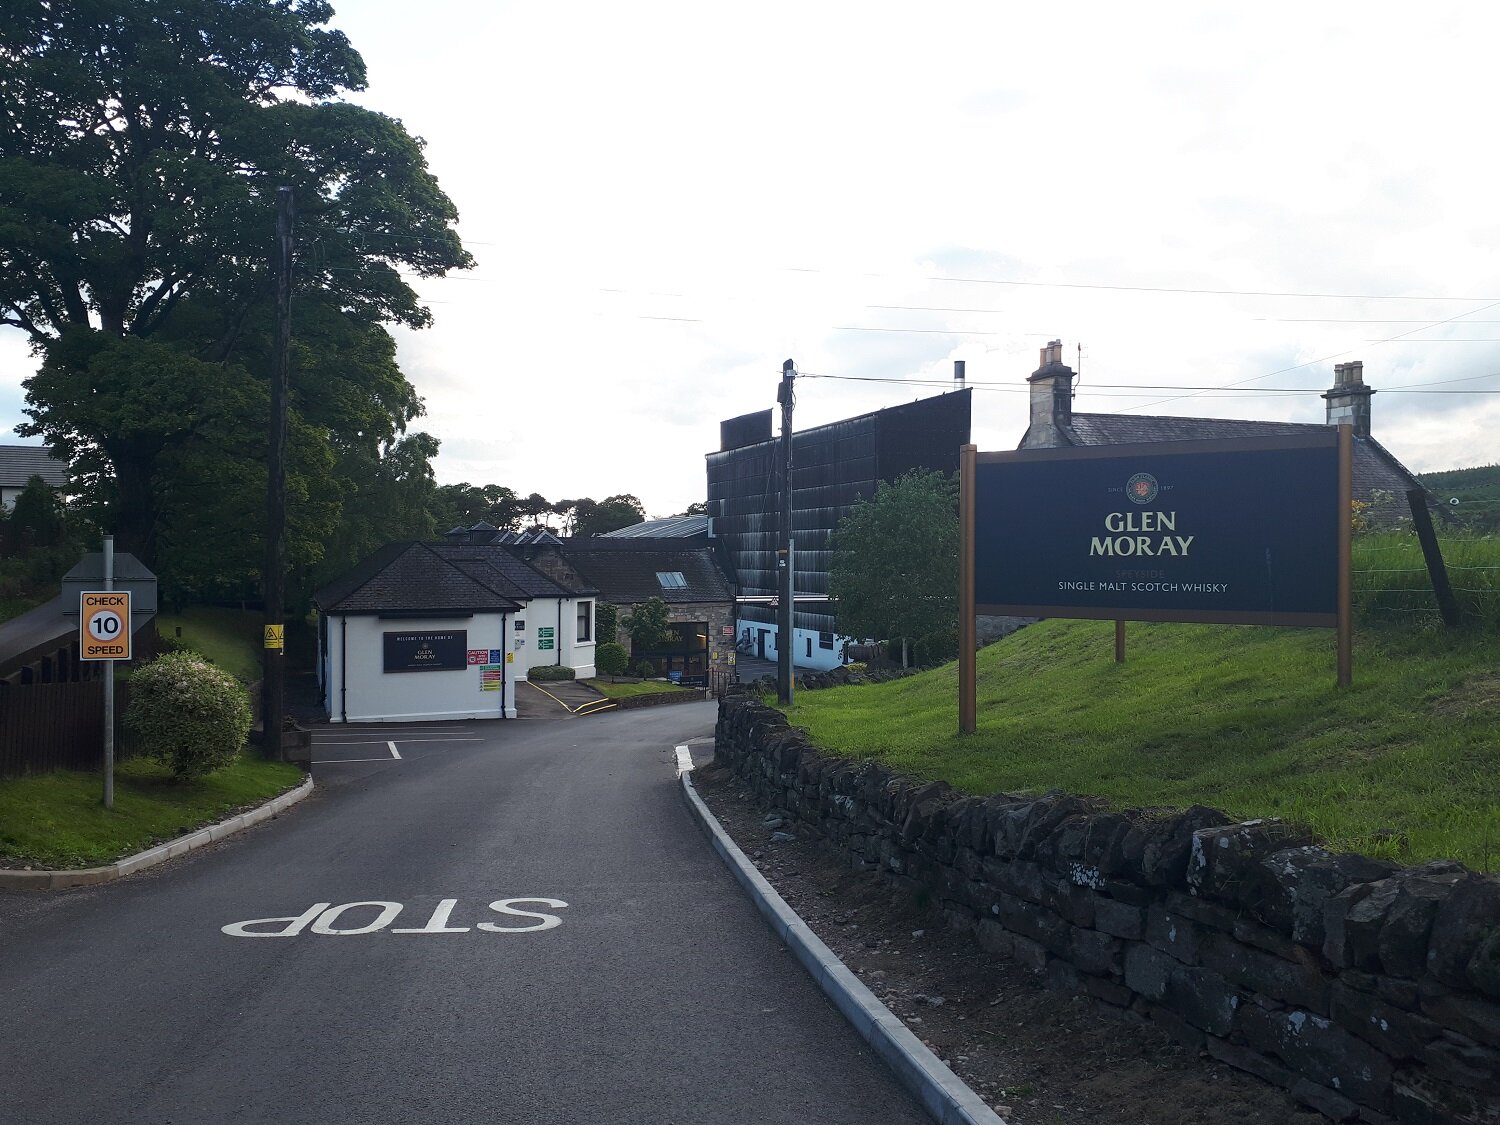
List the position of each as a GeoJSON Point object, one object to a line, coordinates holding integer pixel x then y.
{"type": "Point", "coordinates": [421, 633]}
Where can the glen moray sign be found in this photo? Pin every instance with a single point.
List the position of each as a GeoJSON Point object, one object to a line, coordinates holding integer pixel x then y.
{"type": "Point", "coordinates": [1252, 531]}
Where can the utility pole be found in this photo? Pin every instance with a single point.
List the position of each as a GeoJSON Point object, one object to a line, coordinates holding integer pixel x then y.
{"type": "Point", "coordinates": [273, 666]}
{"type": "Point", "coordinates": [784, 619]}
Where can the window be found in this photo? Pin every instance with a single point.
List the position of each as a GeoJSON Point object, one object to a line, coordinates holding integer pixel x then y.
{"type": "Point", "coordinates": [671, 579]}
{"type": "Point", "coordinates": [809, 646]}
{"type": "Point", "coordinates": [585, 621]}
{"type": "Point", "coordinates": [825, 640]}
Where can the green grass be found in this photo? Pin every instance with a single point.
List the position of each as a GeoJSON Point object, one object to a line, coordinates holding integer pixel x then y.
{"type": "Point", "coordinates": [1402, 764]}
{"type": "Point", "coordinates": [645, 687]}
{"type": "Point", "coordinates": [231, 638]}
{"type": "Point", "coordinates": [57, 820]}
{"type": "Point", "coordinates": [1392, 585]}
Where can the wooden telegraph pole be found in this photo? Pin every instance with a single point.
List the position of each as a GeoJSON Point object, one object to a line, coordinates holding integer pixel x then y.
{"type": "Point", "coordinates": [273, 667]}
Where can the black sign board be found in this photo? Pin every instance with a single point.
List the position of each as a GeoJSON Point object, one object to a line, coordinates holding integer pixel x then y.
{"type": "Point", "coordinates": [1238, 532]}
{"type": "Point", "coordinates": [426, 652]}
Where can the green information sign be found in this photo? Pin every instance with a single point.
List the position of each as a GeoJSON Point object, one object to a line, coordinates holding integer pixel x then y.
{"type": "Point", "coordinates": [544, 638]}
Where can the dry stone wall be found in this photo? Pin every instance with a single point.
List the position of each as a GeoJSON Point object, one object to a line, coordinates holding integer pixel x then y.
{"type": "Point", "coordinates": [1370, 992]}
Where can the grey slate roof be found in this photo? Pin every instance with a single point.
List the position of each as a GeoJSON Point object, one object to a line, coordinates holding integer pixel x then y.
{"type": "Point", "coordinates": [19, 463]}
{"type": "Point", "coordinates": [412, 578]}
{"type": "Point", "coordinates": [507, 570]}
{"type": "Point", "coordinates": [625, 570]}
{"type": "Point", "coordinates": [1375, 468]}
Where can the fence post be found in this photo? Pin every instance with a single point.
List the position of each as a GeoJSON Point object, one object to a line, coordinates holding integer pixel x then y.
{"type": "Point", "coordinates": [1421, 520]}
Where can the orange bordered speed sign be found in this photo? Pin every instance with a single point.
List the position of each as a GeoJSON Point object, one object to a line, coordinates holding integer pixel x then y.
{"type": "Point", "coordinates": [104, 625]}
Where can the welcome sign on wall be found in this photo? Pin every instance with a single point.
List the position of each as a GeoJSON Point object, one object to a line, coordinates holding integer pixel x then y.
{"type": "Point", "coordinates": [1252, 531]}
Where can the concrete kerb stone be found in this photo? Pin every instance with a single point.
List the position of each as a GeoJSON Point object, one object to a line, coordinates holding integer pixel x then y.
{"type": "Point", "coordinates": [89, 876]}
{"type": "Point", "coordinates": [945, 1096]}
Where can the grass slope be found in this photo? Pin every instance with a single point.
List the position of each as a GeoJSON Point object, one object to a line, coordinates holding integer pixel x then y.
{"type": "Point", "coordinates": [1245, 719]}
{"type": "Point", "coordinates": [57, 820]}
{"type": "Point", "coordinates": [230, 638]}
{"type": "Point", "coordinates": [644, 687]}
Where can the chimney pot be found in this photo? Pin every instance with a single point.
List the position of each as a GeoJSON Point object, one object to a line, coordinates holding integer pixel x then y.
{"type": "Point", "coordinates": [958, 371]}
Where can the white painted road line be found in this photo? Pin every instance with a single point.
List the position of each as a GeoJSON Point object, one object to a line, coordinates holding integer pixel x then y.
{"type": "Point", "coordinates": [347, 761]}
{"type": "Point", "coordinates": [394, 752]}
{"type": "Point", "coordinates": [387, 742]}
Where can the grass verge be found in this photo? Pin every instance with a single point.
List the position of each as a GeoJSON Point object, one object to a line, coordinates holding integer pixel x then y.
{"type": "Point", "coordinates": [623, 691]}
{"type": "Point", "coordinates": [57, 820]}
{"type": "Point", "coordinates": [1402, 764]}
{"type": "Point", "coordinates": [230, 638]}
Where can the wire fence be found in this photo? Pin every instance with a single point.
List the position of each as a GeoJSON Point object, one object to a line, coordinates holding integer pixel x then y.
{"type": "Point", "coordinates": [1391, 578]}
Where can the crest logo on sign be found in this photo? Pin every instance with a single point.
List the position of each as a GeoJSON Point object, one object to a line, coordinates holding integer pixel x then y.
{"type": "Point", "coordinates": [1142, 488]}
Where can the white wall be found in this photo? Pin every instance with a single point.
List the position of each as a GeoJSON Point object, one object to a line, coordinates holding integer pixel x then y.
{"type": "Point", "coordinates": [542, 613]}
{"type": "Point", "coordinates": [821, 660]}
{"type": "Point", "coordinates": [374, 695]}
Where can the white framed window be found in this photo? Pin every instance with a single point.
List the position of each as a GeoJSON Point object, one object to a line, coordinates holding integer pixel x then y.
{"type": "Point", "coordinates": [585, 621]}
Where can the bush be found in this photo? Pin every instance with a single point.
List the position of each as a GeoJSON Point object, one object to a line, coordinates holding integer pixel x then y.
{"type": "Point", "coordinates": [606, 622]}
{"type": "Point", "coordinates": [645, 669]}
{"type": "Point", "coordinates": [611, 659]}
{"type": "Point", "coordinates": [542, 673]}
{"type": "Point", "coordinates": [191, 715]}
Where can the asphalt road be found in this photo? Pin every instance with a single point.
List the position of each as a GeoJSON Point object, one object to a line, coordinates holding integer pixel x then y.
{"type": "Point", "coordinates": [655, 995]}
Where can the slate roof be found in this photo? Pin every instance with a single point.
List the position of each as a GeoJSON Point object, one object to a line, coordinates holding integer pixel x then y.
{"type": "Point", "coordinates": [19, 463]}
{"type": "Point", "coordinates": [412, 578]}
{"type": "Point", "coordinates": [508, 570]}
{"type": "Point", "coordinates": [625, 570]}
{"type": "Point", "coordinates": [1375, 468]}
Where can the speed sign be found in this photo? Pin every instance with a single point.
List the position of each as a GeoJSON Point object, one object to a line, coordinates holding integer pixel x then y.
{"type": "Point", "coordinates": [104, 625]}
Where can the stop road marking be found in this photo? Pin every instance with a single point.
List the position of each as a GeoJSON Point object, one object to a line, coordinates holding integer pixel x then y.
{"type": "Point", "coordinates": [327, 919]}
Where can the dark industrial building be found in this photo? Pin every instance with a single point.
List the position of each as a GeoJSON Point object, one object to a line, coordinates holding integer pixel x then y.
{"type": "Point", "coordinates": [832, 467]}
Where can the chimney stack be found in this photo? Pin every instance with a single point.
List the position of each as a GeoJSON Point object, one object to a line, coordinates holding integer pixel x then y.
{"type": "Point", "coordinates": [1051, 400]}
{"type": "Point", "coordinates": [958, 372]}
{"type": "Point", "coordinates": [1349, 399]}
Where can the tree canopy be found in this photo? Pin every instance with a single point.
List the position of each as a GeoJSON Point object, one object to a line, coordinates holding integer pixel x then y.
{"type": "Point", "coordinates": [894, 573]}
{"type": "Point", "coordinates": [142, 143]}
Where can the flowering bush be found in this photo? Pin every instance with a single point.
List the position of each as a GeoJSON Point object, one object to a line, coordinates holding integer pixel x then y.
{"type": "Point", "coordinates": [191, 715]}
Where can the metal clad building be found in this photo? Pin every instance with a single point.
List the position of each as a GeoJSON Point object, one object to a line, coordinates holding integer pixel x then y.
{"type": "Point", "coordinates": [832, 467]}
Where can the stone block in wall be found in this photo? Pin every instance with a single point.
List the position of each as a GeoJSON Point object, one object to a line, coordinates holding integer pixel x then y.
{"type": "Point", "coordinates": [1111, 992]}
{"type": "Point", "coordinates": [1464, 1063]}
{"type": "Point", "coordinates": [1465, 923]}
{"type": "Point", "coordinates": [993, 937]}
{"type": "Point", "coordinates": [1351, 924]}
{"type": "Point", "coordinates": [1028, 954]}
{"type": "Point", "coordinates": [1104, 845]}
{"type": "Point", "coordinates": [1198, 995]}
{"type": "Point", "coordinates": [1119, 919]}
{"type": "Point", "coordinates": [1484, 966]}
{"type": "Point", "coordinates": [1420, 1097]}
{"type": "Point", "coordinates": [1394, 1032]}
{"type": "Point", "coordinates": [1301, 982]}
{"type": "Point", "coordinates": [1267, 939]}
{"type": "Point", "coordinates": [1063, 976]}
{"type": "Point", "coordinates": [1172, 934]}
{"type": "Point", "coordinates": [1096, 953]}
{"type": "Point", "coordinates": [1206, 913]}
{"type": "Point", "coordinates": [1317, 1048]}
{"type": "Point", "coordinates": [1330, 1103]}
{"type": "Point", "coordinates": [1036, 922]}
{"type": "Point", "coordinates": [1174, 1025]}
{"type": "Point", "coordinates": [1250, 1061]}
{"type": "Point", "coordinates": [1156, 848]}
{"type": "Point", "coordinates": [1402, 944]}
{"type": "Point", "coordinates": [925, 811]}
{"type": "Point", "coordinates": [1227, 864]}
{"type": "Point", "coordinates": [1470, 1015]}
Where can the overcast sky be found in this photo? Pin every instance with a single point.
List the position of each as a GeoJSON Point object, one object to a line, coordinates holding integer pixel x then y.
{"type": "Point", "coordinates": [666, 201]}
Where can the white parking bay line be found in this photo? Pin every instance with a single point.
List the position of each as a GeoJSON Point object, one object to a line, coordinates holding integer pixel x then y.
{"type": "Point", "coordinates": [387, 742]}
{"type": "Point", "coordinates": [394, 752]}
{"type": "Point", "coordinates": [348, 761]}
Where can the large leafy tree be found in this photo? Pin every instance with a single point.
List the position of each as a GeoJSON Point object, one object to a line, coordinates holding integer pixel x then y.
{"type": "Point", "coordinates": [894, 573]}
{"type": "Point", "coordinates": [597, 517]}
{"type": "Point", "coordinates": [142, 143]}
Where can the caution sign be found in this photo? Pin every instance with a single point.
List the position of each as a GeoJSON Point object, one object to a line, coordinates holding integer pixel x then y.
{"type": "Point", "coordinates": [104, 625]}
{"type": "Point", "coordinates": [275, 637]}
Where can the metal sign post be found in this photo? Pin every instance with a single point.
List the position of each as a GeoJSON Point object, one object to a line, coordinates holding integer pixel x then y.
{"type": "Point", "coordinates": [104, 633]}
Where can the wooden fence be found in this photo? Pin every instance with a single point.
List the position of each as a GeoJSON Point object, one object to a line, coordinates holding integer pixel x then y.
{"type": "Point", "coordinates": [58, 726]}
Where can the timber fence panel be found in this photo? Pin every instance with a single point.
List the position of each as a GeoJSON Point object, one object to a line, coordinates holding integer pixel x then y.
{"type": "Point", "coordinates": [57, 726]}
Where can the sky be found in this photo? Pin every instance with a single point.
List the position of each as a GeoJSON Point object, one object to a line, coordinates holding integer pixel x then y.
{"type": "Point", "coordinates": [666, 201]}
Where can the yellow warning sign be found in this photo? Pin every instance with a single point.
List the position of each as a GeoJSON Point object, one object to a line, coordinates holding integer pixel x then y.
{"type": "Point", "coordinates": [274, 636]}
{"type": "Point", "coordinates": [104, 625]}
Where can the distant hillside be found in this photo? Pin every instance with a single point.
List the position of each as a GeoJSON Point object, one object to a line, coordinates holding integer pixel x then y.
{"type": "Point", "coordinates": [1477, 491]}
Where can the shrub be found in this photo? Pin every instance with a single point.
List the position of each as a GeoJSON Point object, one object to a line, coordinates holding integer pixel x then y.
{"type": "Point", "coordinates": [545, 672]}
{"type": "Point", "coordinates": [645, 669]}
{"type": "Point", "coordinates": [611, 659]}
{"type": "Point", "coordinates": [606, 622]}
{"type": "Point", "coordinates": [191, 715]}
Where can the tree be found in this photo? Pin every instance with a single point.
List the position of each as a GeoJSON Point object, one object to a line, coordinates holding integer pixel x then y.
{"type": "Point", "coordinates": [610, 514]}
{"type": "Point", "coordinates": [648, 626]}
{"type": "Point", "coordinates": [141, 147]}
{"type": "Point", "coordinates": [894, 573]}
